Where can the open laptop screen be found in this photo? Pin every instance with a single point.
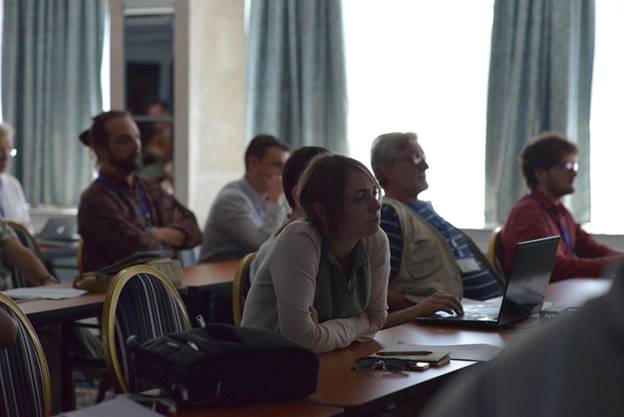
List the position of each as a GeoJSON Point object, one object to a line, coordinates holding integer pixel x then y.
{"type": "Point", "coordinates": [529, 278]}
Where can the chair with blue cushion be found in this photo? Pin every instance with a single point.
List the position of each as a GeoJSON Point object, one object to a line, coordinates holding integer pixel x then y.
{"type": "Point", "coordinates": [140, 301]}
{"type": "Point", "coordinates": [24, 377]}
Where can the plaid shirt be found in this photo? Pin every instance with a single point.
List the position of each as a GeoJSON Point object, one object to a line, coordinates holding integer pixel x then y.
{"type": "Point", "coordinates": [115, 220]}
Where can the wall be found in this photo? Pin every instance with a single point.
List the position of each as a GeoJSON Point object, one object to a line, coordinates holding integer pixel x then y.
{"type": "Point", "coordinates": [210, 99]}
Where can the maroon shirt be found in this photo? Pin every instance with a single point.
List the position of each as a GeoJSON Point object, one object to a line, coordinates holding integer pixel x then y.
{"type": "Point", "coordinates": [114, 220]}
{"type": "Point", "coordinates": [534, 217]}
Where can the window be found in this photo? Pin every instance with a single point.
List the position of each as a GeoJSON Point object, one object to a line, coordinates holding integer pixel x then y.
{"type": "Point", "coordinates": [607, 144]}
{"type": "Point", "coordinates": [422, 66]}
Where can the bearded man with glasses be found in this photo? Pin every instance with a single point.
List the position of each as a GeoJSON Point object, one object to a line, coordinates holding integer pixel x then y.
{"type": "Point", "coordinates": [549, 165]}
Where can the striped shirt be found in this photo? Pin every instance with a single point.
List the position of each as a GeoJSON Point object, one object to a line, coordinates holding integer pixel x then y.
{"type": "Point", "coordinates": [479, 284]}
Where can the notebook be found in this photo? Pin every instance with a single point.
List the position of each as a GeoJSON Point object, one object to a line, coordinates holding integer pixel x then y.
{"type": "Point", "coordinates": [59, 229]}
{"type": "Point", "coordinates": [525, 292]}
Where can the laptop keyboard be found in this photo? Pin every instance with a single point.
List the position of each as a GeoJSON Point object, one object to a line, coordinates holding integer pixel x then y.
{"type": "Point", "coordinates": [475, 312]}
{"type": "Point", "coordinates": [480, 312]}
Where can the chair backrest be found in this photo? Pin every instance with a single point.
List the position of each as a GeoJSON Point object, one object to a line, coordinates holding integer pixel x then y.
{"type": "Point", "coordinates": [24, 377]}
{"type": "Point", "coordinates": [240, 287]}
{"type": "Point", "coordinates": [494, 254]}
{"type": "Point", "coordinates": [29, 242]}
{"type": "Point", "coordinates": [81, 257]}
{"type": "Point", "coordinates": [140, 301]}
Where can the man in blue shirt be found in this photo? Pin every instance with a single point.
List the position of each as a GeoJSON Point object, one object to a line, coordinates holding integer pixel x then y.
{"type": "Point", "coordinates": [428, 254]}
{"type": "Point", "coordinates": [246, 212]}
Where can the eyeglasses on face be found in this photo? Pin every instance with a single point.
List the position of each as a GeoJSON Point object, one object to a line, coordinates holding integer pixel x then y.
{"type": "Point", "coordinates": [572, 166]}
{"type": "Point", "coordinates": [381, 364]}
{"type": "Point", "coordinates": [12, 152]}
{"type": "Point", "coordinates": [412, 159]}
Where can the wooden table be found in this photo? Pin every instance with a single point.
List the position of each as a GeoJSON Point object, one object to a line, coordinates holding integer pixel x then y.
{"type": "Point", "coordinates": [369, 393]}
{"type": "Point", "coordinates": [577, 291]}
{"type": "Point", "coordinates": [210, 275]}
{"type": "Point", "coordinates": [373, 393]}
{"type": "Point", "coordinates": [286, 409]}
{"type": "Point", "coordinates": [207, 289]}
{"type": "Point", "coordinates": [43, 312]}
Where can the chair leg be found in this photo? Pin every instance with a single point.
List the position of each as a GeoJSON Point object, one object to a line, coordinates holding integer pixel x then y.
{"type": "Point", "coordinates": [105, 383]}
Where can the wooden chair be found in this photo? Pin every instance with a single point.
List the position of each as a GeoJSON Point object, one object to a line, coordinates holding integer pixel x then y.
{"type": "Point", "coordinates": [240, 287]}
{"type": "Point", "coordinates": [494, 254]}
{"type": "Point", "coordinates": [25, 238]}
{"type": "Point", "coordinates": [29, 242]}
{"type": "Point", "coordinates": [81, 258]}
{"type": "Point", "coordinates": [143, 302]}
{"type": "Point", "coordinates": [24, 377]}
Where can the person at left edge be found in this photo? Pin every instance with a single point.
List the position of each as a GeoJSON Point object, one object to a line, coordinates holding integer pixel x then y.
{"type": "Point", "coordinates": [120, 213]}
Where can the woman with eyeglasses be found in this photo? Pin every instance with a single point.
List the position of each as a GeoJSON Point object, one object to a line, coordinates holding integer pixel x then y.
{"type": "Point", "coordinates": [324, 283]}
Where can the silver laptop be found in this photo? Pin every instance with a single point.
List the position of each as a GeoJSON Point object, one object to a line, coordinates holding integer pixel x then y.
{"type": "Point", "coordinates": [524, 295]}
{"type": "Point", "coordinates": [59, 229]}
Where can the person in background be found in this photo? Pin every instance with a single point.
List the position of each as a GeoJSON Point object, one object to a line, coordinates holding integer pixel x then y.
{"type": "Point", "coordinates": [549, 165]}
{"type": "Point", "coordinates": [158, 149]}
{"type": "Point", "coordinates": [430, 257]}
{"type": "Point", "coordinates": [293, 168]}
{"type": "Point", "coordinates": [8, 331]}
{"type": "Point", "coordinates": [324, 282]}
{"type": "Point", "coordinates": [121, 214]}
{"type": "Point", "coordinates": [13, 205]}
{"type": "Point", "coordinates": [248, 211]}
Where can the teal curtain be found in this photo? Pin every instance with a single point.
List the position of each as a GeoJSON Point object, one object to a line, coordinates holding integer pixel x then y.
{"type": "Point", "coordinates": [540, 79]}
{"type": "Point", "coordinates": [296, 77]}
{"type": "Point", "coordinates": [51, 55]}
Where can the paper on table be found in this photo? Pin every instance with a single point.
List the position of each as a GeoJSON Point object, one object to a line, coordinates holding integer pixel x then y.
{"type": "Point", "coordinates": [32, 293]}
{"type": "Point", "coordinates": [479, 352]}
{"type": "Point", "coordinates": [118, 406]}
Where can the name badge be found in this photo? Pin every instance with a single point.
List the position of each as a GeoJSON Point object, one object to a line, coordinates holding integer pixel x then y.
{"type": "Point", "coordinates": [468, 265]}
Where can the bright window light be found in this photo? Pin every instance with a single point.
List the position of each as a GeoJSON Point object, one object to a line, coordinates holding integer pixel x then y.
{"type": "Point", "coordinates": [422, 66]}
{"type": "Point", "coordinates": [607, 146]}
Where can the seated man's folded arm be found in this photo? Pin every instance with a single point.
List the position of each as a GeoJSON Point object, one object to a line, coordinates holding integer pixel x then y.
{"type": "Point", "coordinates": [184, 221]}
{"type": "Point", "coordinates": [109, 227]}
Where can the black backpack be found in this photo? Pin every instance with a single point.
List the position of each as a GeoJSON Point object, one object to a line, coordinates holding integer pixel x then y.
{"type": "Point", "coordinates": [224, 364]}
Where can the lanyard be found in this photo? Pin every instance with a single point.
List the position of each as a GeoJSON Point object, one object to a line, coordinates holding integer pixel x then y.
{"type": "Point", "coordinates": [145, 205]}
{"type": "Point", "coordinates": [564, 231]}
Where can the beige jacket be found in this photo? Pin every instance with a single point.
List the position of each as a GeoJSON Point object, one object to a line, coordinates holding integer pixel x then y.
{"type": "Point", "coordinates": [427, 264]}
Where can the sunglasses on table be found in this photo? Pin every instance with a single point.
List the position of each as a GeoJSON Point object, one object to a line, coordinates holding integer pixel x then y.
{"type": "Point", "coordinates": [393, 365]}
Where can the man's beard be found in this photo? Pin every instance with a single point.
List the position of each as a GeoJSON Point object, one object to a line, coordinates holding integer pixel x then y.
{"type": "Point", "coordinates": [128, 165]}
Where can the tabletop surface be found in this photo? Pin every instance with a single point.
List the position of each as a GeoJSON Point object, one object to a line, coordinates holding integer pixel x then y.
{"type": "Point", "coordinates": [290, 409]}
{"type": "Point", "coordinates": [207, 274]}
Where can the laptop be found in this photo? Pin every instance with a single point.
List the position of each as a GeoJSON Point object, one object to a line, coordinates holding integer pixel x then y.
{"type": "Point", "coordinates": [59, 230]}
{"type": "Point", "coordinates": [524, 295]}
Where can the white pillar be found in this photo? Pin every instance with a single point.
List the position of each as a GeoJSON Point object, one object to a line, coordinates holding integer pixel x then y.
{"type": "Point", "coordinates": [209, 99]}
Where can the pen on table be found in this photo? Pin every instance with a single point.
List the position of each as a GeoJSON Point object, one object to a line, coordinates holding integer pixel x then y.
{"type": "Point", "coordinates": [407, 353]}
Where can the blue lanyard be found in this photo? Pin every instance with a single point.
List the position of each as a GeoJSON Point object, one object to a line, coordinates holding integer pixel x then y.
{"type": "Point", "coordinates": [554, 214]}
{"type": "Point", "coordinates": [145, 205]}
